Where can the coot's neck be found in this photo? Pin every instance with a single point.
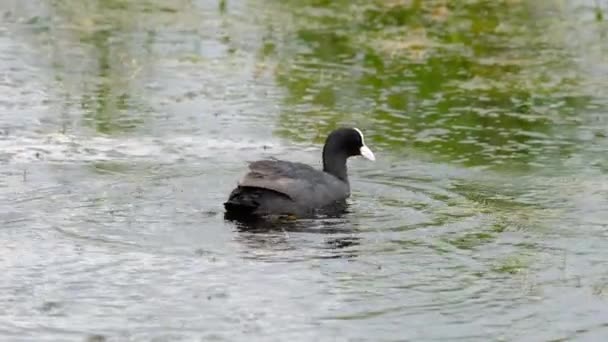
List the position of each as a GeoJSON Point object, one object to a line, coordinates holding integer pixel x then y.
{"type": "Point", "coordinates": [334, 162]}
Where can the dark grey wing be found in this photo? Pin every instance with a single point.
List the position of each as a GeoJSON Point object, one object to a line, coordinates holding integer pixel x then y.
{"type": "Point", "coordinates": [287, 178]}
{"type": "Point", "coordinates": [300, 182]}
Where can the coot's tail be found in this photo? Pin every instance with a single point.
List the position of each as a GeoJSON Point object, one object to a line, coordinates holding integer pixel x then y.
{"type": "Point", "coordinates": [251, 202]}
{"type": "Point", "coordinates": [242, 201]}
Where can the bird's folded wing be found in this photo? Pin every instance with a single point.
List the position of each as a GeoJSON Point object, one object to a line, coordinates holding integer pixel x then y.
{"type": "Point", "coordinates": [294, 180]}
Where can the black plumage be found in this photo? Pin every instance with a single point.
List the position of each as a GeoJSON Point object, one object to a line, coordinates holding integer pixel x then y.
{"type": "Point", "coordinates": [278, 187]}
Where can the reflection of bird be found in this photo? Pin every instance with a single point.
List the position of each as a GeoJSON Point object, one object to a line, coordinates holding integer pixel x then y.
{"type": "Point", "coordinates": [333, 238]}
{"type": "Point", "coordinates": [277, 187]}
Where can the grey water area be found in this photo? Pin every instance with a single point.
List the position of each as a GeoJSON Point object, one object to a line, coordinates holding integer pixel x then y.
{"type": "Point", "coordinates": [123, 129]}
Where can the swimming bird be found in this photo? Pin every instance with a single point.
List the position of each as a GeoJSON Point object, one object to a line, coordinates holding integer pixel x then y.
{"type": "Point", "coordinates": [279, 187]}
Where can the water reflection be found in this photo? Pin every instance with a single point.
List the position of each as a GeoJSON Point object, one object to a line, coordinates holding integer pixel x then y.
{"type": "Point", "coordinates": [433, 77]}
{"type": "Point", "coordinates": [96, 67]}
{"type": "Point", "coordinates": [292, 240]}
{"type": "Point", "coordinates": [330, 225]}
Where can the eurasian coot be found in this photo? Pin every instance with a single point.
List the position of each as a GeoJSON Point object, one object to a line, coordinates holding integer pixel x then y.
{"type": "Point", "coordinates": [278, 187]}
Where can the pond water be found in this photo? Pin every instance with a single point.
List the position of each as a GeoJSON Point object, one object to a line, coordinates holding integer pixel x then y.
{"type": "Point", "coordinates": [125, 124]}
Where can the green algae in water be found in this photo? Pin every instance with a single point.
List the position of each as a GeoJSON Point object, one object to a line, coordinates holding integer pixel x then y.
{"type": "Point", "coordinates": [511, 265]}
{"type": "Point", "coordinates": [416, 66]}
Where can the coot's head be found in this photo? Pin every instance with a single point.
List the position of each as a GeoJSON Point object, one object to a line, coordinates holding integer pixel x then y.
{"type": "Point", "coordinates": [339, 146]}
{"type": "Point", "coordinates": [346, 142]}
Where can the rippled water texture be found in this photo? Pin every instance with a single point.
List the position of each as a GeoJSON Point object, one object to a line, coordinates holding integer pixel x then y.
{"type": "Point", "coordinates": [125, 124]}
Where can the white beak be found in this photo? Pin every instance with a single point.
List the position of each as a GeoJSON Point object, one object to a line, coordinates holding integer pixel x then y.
{"type": "Point", "coordinates": [367, 153]}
